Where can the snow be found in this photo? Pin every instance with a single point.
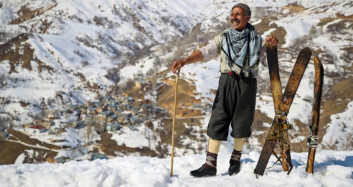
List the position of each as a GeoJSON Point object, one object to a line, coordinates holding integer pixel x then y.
{"type": "Point", "coordinates": [134, 138]}
{"type": "Point", "coordinates": [332, 168]}
{"type": "Point", "coordinates": [20, 159]}
{"type": "Point", "coordinates": [142, 67]}
{"type": "Point", "coordinates": [205, 76]}
{"type": "Point", "coordinates": [295, 29]}
{"type": "Point", "coordinates": [339, 131]}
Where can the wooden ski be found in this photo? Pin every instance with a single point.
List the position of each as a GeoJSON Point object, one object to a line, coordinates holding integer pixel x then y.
{"type": "Point", "coordinates": [287, 100]}
{"type": "Point", "coordinates": [315, 114]}
{"type": "Point", "coordinates": [276, 88]}
{"type": "Point", "coordinates": [282, 103]}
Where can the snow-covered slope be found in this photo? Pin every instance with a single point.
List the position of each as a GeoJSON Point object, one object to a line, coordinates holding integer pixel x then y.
{"type": "Point", "coordinates": [72, 44]}
{"type": "Point", "coordinates": [331, 169]}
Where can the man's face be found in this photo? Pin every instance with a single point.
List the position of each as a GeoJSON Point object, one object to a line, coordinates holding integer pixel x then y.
{"type": "Point", "coordinates": [239, 18]}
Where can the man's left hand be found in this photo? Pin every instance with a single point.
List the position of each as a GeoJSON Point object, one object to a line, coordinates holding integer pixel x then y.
{"type": "Point", "coordinates": [271, 41]}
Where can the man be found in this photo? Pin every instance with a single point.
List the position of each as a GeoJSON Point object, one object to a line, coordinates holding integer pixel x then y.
{"type": "Point", "coordinates": [241, 50]}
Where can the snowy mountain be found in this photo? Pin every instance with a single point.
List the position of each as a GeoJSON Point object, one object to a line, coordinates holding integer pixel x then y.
{"type": "Point", "coordinates": [68, 47]}
{"type": "Point", "coordinates": [56, 55]}
{"type": "Point", "coordinates": [64, 63]}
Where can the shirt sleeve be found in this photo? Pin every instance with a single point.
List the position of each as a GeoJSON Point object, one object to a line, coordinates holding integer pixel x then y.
{"type": "Point", "coordinates": [263, 55]}
{"type": "Point", "coordinates": [210, 50]}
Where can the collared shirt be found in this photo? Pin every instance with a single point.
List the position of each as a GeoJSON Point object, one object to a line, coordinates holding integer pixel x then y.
{"type": "Point", "coordinates": [213, 49]}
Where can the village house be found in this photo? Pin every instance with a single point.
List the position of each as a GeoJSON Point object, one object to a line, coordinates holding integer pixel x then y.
{"type": "Point", "coordinates": [94, 103]}
{"type": "Point", "coordinates": [64, 124]}
{"type": "Point", "coordinates": [129, 107]}
{"type": "Point", "coordinates": [131, 100]}
{"type": "Point", "coordinates": [113, 127]}
{"type": "Point", "coordinates": [61, 159]}
{"type": "Point", "coordinates": [107, 113]}
{"type": "Point", "coordinates": [69, 110]}
{"type": "Point", "coordinates": [135, 110]}
{"type": "Point", "coordinates": [52, 131]}
{"type": "Point", "coordinates": [107, 99]}
{"type": "Point", "coordinates": [53, 114]}
{"type": "Point", "coordinates": [121, 119]}
{"type": "Point", "coordinates": [112, 118]}
{"type": "Point", "coordinates": [111, 101]}
{"type": "Point", "coordinates": [135, 120]}
{"type": "Point", "coordinates": [83, 110]}
{"type": "Point", "coordinates": [111, 107]}
{"type": "Point", "coordinates": [115, 97]}
{"type": "Point", "coordinates": [125, 117]}
{"type": "Point", "coordinates": [100, 127]}
{"type": "Point", "coordinates": [99, 110]}
{"type": "Point", "coordinates": [47, 123]}
{"type": "Point", "coordinates": [96, 156]}
{"type": "Point", "coordinates": [36, 129]}
{"type": "Point", "coordinates": [146, 106]}
{"type": "Point", "coordinates": [100, 118]}
{"type": "Point", "coordinates": [91, 111]}
{"type": "Point", "coordinates": [83, 117]}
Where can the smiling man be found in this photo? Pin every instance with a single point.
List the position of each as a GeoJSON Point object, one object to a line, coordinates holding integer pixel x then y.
{"type": "Point", "coordinates": [241, 49]}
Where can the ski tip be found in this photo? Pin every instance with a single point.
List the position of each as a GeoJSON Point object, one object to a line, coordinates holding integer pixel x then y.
{"type": "Point", "coordinates": [317, 60]}
{"type": "Point", "coordinates": [270, 46]}
{"type": "Point", "coordinates": [307, 50]}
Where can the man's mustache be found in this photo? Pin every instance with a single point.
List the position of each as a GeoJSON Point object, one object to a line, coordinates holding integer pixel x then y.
{"type": "Point", "coordinates": [234, 20]}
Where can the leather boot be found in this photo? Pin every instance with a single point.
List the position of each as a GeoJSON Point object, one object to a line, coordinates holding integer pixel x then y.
{"type": "Point", "coordinates": [234, 168]}
{"type": "Point", "coordinates": [204, 171]}
{"type": "Point", "coordinates": [234, 163]}
{"type": "Point", "coordinates": [209, 168]}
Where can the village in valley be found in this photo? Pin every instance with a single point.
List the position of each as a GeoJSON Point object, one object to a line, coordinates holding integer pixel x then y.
{"type": "Point", "coordinates": [121, 118]}
{"type": "Point", "coordinates": [106, 114]}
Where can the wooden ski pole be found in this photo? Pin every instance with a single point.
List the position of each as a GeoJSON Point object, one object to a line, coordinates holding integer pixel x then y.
{"type": "Point", "coordinates": [174, 118]}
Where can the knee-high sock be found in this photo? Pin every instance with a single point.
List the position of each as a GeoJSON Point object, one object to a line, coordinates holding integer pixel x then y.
{"type": "Point", "coordinates": [212, 153]}
{"type": "Point", "coordinates": [238, 147]}
{"type": "Point", "coordinates": [239, 143]}
{"type": "Point", "coordinates": [211, 160]}
{"type": "Point", "coordinates": [213, 146]}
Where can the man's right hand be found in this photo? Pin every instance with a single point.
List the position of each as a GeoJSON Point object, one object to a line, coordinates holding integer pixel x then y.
{"type": "Point", "coordinates": [194, 57]}
{"type": "Point", "coordinates": [177, 65]}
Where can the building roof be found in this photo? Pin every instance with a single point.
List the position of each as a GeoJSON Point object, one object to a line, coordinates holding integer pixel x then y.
{"type": "Point", "coordinates": [37, 127]}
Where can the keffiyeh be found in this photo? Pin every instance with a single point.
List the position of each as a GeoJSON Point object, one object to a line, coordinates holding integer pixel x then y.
{"type": "Point", "coordinates": [235, 44]}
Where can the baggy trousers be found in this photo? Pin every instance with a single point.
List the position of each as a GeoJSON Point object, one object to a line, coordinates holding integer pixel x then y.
{"type": "Point", "coordinates": [234, 104]}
